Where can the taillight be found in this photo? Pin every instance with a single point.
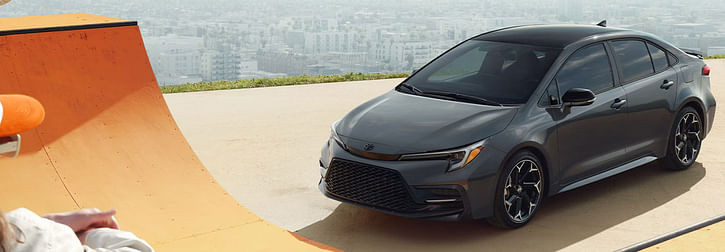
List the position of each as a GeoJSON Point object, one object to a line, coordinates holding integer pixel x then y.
{"type": "Point", "coordinates": [706, 70]}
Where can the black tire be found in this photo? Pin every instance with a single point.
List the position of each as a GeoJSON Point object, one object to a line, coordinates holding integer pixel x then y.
{"type": "Point", "coordinates": [685, 140]}
{"type": "Point", "coordinates": [520, 186]}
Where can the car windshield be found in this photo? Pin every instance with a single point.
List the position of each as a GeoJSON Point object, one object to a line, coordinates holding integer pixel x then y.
{"type": "Point", "coordinates": [504, 73]}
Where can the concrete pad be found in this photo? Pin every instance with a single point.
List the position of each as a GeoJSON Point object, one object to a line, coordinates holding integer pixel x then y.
{"type": "Point", "coordinates": [263, 145]}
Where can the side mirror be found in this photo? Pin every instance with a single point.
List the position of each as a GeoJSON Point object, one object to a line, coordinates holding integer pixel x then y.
{"type": "Point", "coordinates": [10, 146]}
{"type": "Point", "coordinates": [578, 97]}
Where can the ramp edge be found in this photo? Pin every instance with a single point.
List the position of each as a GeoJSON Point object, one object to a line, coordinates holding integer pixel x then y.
{"type": "Point", "coordinates": [313, 242]}
{"type": "Point", "coordinates": [672, 235]}
{"type": "Point", "coordinates": [67, 28]}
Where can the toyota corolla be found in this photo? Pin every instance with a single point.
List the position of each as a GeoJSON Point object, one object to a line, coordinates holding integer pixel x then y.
{"type": "Point", "coordinates": [508, 117]}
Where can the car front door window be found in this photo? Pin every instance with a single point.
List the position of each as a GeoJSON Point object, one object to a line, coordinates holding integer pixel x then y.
{"type": "Point", "coordinates": [587, 68]}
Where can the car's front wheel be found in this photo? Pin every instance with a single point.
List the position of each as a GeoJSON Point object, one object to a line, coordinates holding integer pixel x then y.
{"type": "Point", "coordinates": [519, 191]}
{"type": "Point", "coordinates": [685, 140]}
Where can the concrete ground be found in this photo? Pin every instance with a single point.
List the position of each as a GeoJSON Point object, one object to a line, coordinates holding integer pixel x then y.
{"type": "Point", "coordinates": [263, 146]}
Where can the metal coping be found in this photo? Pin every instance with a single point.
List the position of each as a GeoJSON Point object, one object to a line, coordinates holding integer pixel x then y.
{"type": "Point", "coordinates": [67, 28]}
{"type": "Point", "coordinates": [669, 236]}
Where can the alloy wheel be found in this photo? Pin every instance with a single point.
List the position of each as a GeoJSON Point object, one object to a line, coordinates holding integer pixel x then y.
{"type": "Point", "coordinates": [522, 192]}
{"type": "Point", "coordinates": [687, 137]}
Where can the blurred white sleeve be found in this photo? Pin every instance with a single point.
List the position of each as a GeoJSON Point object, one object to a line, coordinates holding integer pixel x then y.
{"type": "Point", "coordinates": [107, 239]}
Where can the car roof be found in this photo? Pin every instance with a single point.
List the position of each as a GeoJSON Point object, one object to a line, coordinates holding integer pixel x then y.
{"type": "Point", "coordinates": [557, 36]}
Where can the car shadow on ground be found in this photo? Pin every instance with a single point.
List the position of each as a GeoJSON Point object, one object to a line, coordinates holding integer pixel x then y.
{"type": "Point", "coordinates": [563, 220]}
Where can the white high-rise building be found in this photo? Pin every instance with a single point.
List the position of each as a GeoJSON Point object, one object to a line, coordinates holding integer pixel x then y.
{"type": "Point", "coordinates": [216, 65]}
{"type": "Point", "coordinates": [175, 59]}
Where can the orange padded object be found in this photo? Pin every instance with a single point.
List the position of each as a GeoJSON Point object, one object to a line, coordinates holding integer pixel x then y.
{"type": "Point", "coordinates": [20, 113]}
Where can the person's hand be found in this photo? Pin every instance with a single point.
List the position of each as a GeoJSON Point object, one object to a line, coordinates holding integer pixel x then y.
{"type": "Point", "coordinates": [85, 219]}
{"type": "Point", "coordinates": [82, 236]}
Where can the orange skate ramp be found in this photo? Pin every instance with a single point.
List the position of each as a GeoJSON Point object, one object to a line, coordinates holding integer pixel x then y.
{"type": "Point", "coordinates": [109, 141]}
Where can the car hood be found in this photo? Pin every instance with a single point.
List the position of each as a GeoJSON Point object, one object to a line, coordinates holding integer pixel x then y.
{"type": "Point", "coordinates": [398, 123]}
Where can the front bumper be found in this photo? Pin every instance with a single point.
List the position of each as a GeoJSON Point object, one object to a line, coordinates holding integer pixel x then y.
{"type": "Point", "coordinates": [414, 189]}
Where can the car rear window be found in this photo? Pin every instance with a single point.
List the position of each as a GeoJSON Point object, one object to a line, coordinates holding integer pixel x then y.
{"type": "Point", "coordinates": [659, 57]}
{"type": "Point", "coordinates": [632, 59]}
{"type": "Point", "coordinates": [672, 59]}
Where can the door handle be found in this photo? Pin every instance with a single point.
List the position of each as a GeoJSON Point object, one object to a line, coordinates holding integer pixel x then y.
{"type": "Point", "coordinates": [618, 103]}
{"type": "Point", "coordinates": [667, 84]}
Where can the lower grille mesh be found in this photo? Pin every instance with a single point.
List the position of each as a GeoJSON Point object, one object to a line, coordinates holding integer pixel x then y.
{"type": "Point", "coordinates": [370, 185]}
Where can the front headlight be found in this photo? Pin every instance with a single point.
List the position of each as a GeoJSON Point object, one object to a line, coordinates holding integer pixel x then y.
{"type": "Point", "coordinates": [457, 158]}
{"type": "Point", "coordinates": [334, 135]}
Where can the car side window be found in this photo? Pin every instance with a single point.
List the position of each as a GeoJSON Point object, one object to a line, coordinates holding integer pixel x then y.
{"type": "Point", "coordinates": [659, 57]}
{"type": "Point", "coordinates": [672, 59]}
{"type": "Point", "coordinates": [551, 95]}
{"type": "Point", "coordinates": [632, 59]}
{"type": "Point", "coordinates": [587, 68]}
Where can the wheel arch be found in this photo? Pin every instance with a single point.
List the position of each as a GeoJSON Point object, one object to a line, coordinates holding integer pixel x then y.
{"type": "Point", "coordinates": [539, 152]}
{"type": "Point", "coordinates": [698, 105]}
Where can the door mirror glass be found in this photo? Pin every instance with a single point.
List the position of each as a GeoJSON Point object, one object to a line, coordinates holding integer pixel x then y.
{"type": "Point", "coordinates": [578, 97]}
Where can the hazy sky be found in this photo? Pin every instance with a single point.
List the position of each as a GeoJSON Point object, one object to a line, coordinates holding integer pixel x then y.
{"type": "Point", "coordinates": [160, 8]}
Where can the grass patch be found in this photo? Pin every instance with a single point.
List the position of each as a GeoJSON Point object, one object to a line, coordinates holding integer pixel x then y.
{"type": "Point", "coordinates": [719, 56]}
{"type": "Point", "coordinates": [274, 82]}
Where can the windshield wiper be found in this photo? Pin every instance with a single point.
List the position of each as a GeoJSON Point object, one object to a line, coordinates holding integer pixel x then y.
{"type": "Point", "coordinates": [411, 88]}
{"type": "Point", "coordinates": [463, 97]}
{"type": "Point", "coordinates": [455, 96]}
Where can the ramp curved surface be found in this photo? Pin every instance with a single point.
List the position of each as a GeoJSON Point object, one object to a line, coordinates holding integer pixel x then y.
{"type": "Point", "coordinates": [109, 141]}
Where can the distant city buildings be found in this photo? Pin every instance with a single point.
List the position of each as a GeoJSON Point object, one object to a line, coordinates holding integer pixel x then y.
{"type": "Point", "coordinates": [175, 59]}
{"type": "Point", "coordinates": [193, 41]}
{"type": "Point", "coordinates": [220, 65]}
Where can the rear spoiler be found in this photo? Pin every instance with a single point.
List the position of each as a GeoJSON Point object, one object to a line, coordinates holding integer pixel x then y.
{"type": "Point", "coordinates": [692, 52]}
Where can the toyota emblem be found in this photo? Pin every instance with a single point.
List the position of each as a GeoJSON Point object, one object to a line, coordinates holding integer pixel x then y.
{"type": "Point", "coordinates": [369, 147]}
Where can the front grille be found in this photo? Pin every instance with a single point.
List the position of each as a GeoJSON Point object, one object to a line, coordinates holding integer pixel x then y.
{"type": "Point", "coordinates": [370, 185]}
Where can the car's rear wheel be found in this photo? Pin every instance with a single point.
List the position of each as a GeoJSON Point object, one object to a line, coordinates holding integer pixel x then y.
{"type": "Point", "coordinates": [685, 140]}
{"type": "Point", "coordinates": [519, 191]}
